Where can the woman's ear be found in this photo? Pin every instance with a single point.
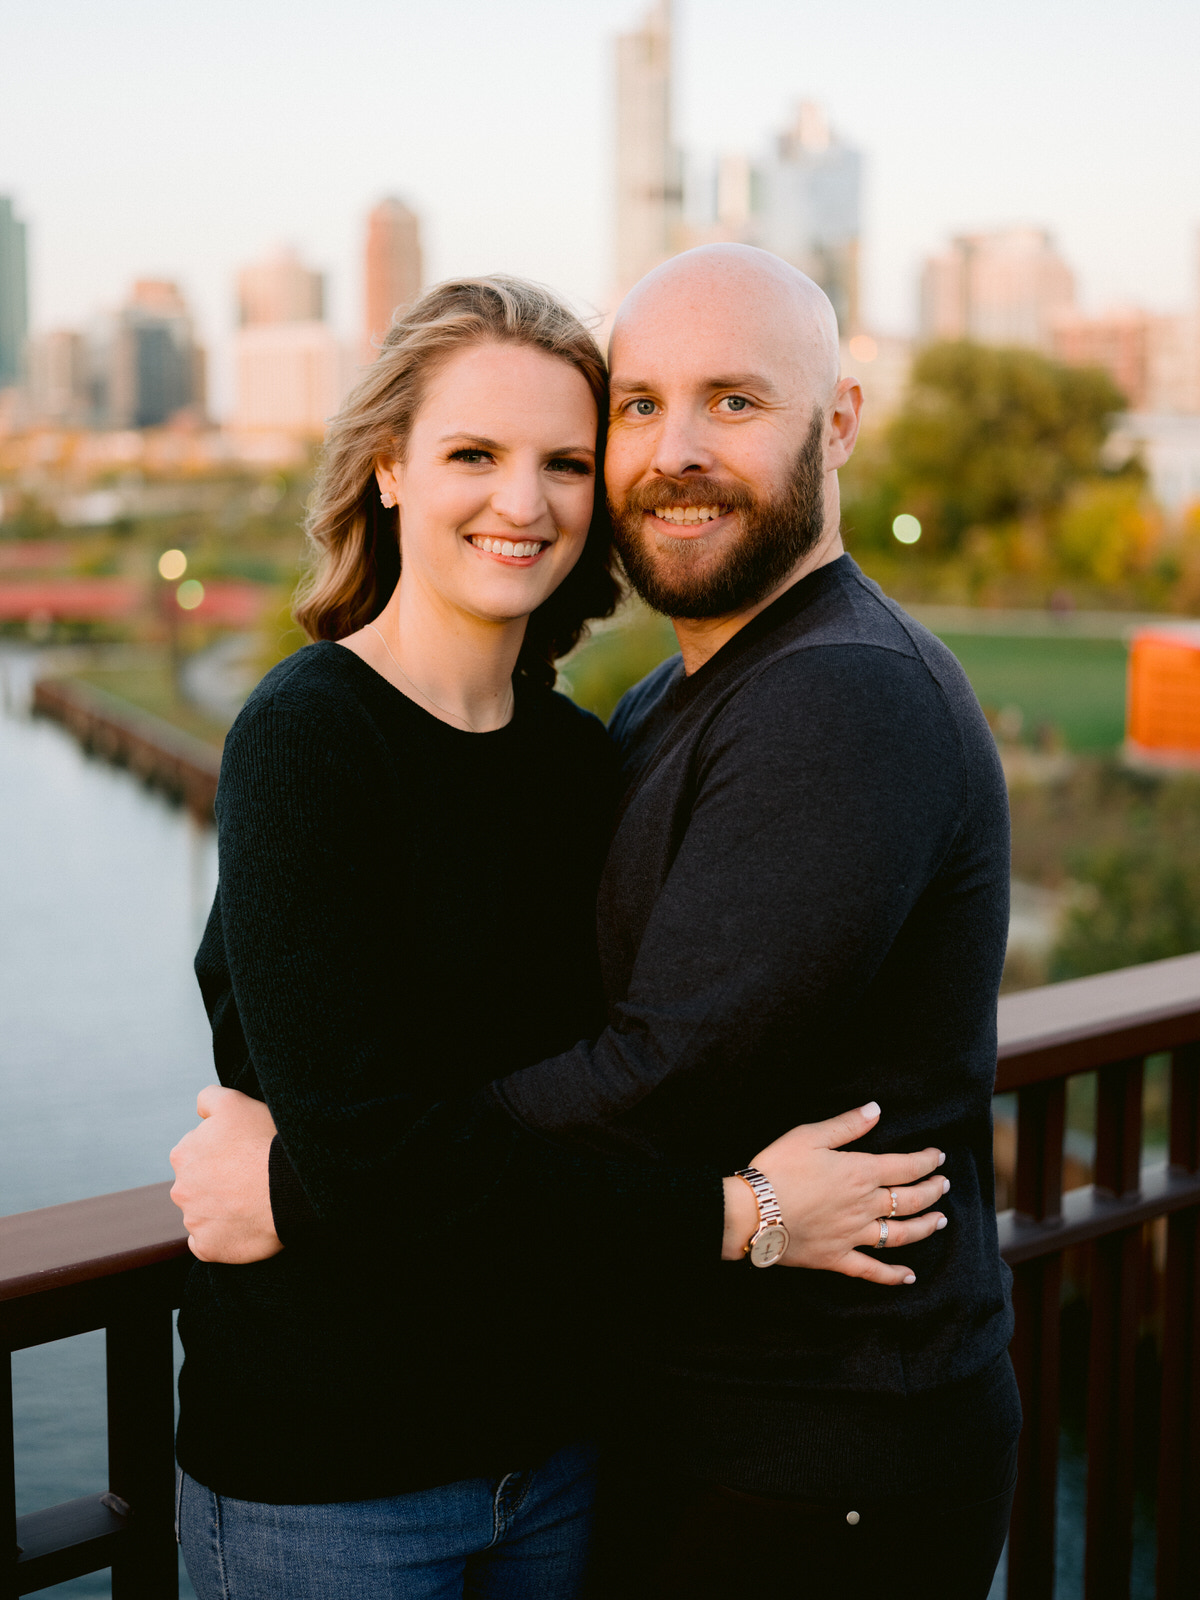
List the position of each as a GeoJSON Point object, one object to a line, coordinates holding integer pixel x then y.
{"type": "Point", "coordinates": [385, 477]}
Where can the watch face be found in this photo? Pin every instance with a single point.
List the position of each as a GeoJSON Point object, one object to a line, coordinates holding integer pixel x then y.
{"type": "Point", "coordinates": [769, 1244]}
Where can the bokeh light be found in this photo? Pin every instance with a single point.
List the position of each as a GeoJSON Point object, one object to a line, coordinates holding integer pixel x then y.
{"type": "Point", "coordinates": [189, 594]}
{"type": "Point", "coordinates": [172, 564]}
{"type": "Point", "coordinates": [863, 347]}
{"type": "Point", "coordinates": [906, 528]}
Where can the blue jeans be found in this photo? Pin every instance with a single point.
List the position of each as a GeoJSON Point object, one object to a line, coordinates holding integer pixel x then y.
{"type": "Point", "coordinates": [521, 1537]}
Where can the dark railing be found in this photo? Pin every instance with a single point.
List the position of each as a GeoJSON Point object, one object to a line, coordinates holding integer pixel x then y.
{"type": "Point", "coordinates": [117, 1263]}
{"type": "Point", "coordinates": [1107, 1025]}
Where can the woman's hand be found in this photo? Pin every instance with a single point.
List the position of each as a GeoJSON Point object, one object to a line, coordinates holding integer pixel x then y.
{"type": "Point", "coordinates": [832, 1200]}
{"type": "Point", "coordinates": [222, 1184]}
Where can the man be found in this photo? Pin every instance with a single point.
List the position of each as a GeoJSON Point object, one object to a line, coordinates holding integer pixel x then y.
{"type": "Point", "coordinates": [805, 905]}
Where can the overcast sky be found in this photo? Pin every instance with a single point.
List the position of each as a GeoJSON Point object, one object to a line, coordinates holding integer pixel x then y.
{"type": "Point", "coordinates": [145, 137]}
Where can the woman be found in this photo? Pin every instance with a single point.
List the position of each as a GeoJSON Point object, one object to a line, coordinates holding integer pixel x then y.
{"type": "Point", "coordinates": [411, 827]}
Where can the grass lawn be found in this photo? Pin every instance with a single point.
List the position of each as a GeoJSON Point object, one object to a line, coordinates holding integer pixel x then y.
{"type": "Point", "coordinates": [1076, 684]}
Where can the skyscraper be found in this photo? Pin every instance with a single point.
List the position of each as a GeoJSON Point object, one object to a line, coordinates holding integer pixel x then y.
{"type": "Point", "coordinates": [155, 367]}
{"type": "Point", "coordinates": [279, 289]}
{"type": "Point", "coordinates": [14, 296]}
{"type": "Point", "coordinates": [1000, 288]}
{"type": "Point", "coordinates": [58, 377]}
{"type": "Point", "coordinates": [393, 268]}
{"type": "Point", "coordinates": [649, 171]}
{"type": "Point", "coordinates": [805, 208]}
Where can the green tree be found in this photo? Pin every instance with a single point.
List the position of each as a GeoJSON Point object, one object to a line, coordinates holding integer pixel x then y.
{"type": "Point", "coordinates": [989, 436]}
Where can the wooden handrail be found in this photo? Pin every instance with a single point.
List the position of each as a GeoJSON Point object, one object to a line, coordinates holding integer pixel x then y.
{"type": "Point", "coordinates": [1090, 1022]}
{"type": "Point", "coordinates": [88, 1239]}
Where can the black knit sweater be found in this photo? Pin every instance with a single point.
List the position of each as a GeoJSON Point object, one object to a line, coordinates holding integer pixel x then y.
{"type": "Point", "coordinates": [404, 912]}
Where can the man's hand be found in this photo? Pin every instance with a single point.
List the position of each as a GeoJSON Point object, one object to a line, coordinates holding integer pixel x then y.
{"type": "Point", "coordinates": [832, 1200]}
{"type": "Point", "coordinates": [221, 1183]}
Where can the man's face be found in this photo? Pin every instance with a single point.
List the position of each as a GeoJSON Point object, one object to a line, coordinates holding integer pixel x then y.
{"type": "Point", "coordinates": [717, 462]}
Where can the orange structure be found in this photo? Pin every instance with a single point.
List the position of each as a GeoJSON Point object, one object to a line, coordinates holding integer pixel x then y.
{"type": "Point", "coordinates": [1163, 715]}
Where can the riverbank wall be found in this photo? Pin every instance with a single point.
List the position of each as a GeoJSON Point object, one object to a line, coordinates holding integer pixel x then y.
{"type": "Point", "coordinates": [180, 766]}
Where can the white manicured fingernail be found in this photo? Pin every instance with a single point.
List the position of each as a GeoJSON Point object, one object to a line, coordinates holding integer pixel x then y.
{"type": "Point", "coordinates": [910, 1279]}
{"type": "Point", "coordinates": [945, 1185]}
{"type": "Point", "coordinates": [871, 1110]}
{"type": "Point", "coordinates": [941, 1222]}
{"type": "Point", "coordinates": [941, 1158]}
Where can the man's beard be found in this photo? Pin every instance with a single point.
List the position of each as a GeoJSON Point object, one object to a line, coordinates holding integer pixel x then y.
{"type": "Point", "coordinates": [680, 578]}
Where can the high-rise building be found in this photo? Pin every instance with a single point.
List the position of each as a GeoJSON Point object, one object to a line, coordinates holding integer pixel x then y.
{"type": "Point", "coordinates": [649, 169]}
{"type": "Point", "coordinates": [1152, 359]}
{"type": "Point", "coordinates": [279, 289]}
{"type": "Point", "coordinates": [290, 377]}
{"type": "Point", "coordinates": [394, 272]}
{"type": "Point", "coordinates": [58, 374]}
{"type": "Point", "coordinates": [805, 207]}
{"type": "Point", "coordinates": [1002, 288]}
{"type": "Point", "coordinates": [155, 367]}
{"type": "Point", "coordinates": [14, 294]}
{"type": "Point", "coordinates": [801, 200]}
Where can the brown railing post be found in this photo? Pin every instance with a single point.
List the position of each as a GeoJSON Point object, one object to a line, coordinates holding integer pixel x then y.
{"type": "Point", "coordinates": [8, 1485]}
{"type": "Point", "coordinates": [1116, 1269]}
{"type": "Point", "coordinates": [1037, 1287]}
{"type": "Point", "coordinates": [1178, 1573]}
{"type": "Point", "coordinates": [141, 1453]}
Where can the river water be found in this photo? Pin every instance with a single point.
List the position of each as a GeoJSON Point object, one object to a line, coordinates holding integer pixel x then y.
{"type": "Point", "coordinates": [104, 888]}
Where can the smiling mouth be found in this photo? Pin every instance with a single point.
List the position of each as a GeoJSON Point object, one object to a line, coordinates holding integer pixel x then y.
{"type": "Point", "coordinates": [510, 549]}
{"type": "Point", "coordinates": [687, 516]}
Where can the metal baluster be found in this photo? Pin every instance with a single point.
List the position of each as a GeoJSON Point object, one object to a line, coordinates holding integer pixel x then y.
{"type": "Point", "coordinates": [141, 1452]}
{"type": "Point", "coordinates": [1178, 1574]}
{"type": "Point", "coordinates": [8, 1485]}
{"type": "Point", "coordinates": [1116, 1267]}
{"type": "Point", "coordinates": [1035, 1348]}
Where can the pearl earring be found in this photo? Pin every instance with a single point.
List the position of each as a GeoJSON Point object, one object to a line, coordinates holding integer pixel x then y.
{"type": "Point", "coordinates": [387, 500]}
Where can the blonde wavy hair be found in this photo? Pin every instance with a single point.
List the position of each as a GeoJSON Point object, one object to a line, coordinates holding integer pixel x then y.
{"type": "Point", "coordinates": [354, 541]}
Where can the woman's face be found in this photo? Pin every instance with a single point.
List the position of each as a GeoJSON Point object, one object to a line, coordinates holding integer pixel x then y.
{"type": "Point", "coordinates": [495, 493]}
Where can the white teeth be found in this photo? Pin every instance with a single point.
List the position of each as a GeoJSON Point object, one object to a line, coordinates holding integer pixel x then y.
{"type": "Point", "coordinates": [506, 547]}
{"type": "Point", "coordinates": [683, 515]}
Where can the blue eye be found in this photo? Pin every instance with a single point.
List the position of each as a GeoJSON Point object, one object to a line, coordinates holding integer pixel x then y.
{"type": "Point", "coordinates": [643, 408]}
{"type": "Point", "coordinates": [736, 402]}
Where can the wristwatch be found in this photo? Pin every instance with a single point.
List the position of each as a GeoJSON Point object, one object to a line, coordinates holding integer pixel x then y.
{"type": "Point", "coordinates": [771, 1239]}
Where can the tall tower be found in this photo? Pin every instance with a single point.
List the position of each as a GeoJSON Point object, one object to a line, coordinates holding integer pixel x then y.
{"type": "Point", "coordinates": [806, 208]}
{"type": "Point", "coordinates": [393, 268]}
{"type": "Point", "coordinates": [14, 301]}
{"type": "Point", "coordinates": [649, 171]}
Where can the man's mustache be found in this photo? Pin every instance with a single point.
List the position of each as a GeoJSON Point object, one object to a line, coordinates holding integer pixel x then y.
{"type": "Point", "coordinates": [664, 492]}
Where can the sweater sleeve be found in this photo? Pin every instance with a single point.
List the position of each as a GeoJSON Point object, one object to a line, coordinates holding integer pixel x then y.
{"type": "Point", "coordinates": [826, 794]}
{"type": "Point", "coordinates": [301, 809]}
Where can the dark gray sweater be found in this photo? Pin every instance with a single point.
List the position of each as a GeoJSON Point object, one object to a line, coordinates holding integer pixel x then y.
{"type": "Point", "coordinates": [805, 907]}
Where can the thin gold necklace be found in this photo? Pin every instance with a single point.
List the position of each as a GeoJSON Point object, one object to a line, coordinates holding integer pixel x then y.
{"type": "Point", "coordinates": [445, 710]}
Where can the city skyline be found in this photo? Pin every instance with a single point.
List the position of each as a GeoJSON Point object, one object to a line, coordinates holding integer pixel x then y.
{"type": "Point", "coordinates": [505, 150]}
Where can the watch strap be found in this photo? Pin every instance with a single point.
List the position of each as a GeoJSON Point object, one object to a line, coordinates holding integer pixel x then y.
{"type": "Point", "coordinates": [769, 1209]}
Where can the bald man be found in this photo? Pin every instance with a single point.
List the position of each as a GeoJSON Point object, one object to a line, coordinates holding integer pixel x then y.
{"type": "Point", "coordinates": [804, 907]}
